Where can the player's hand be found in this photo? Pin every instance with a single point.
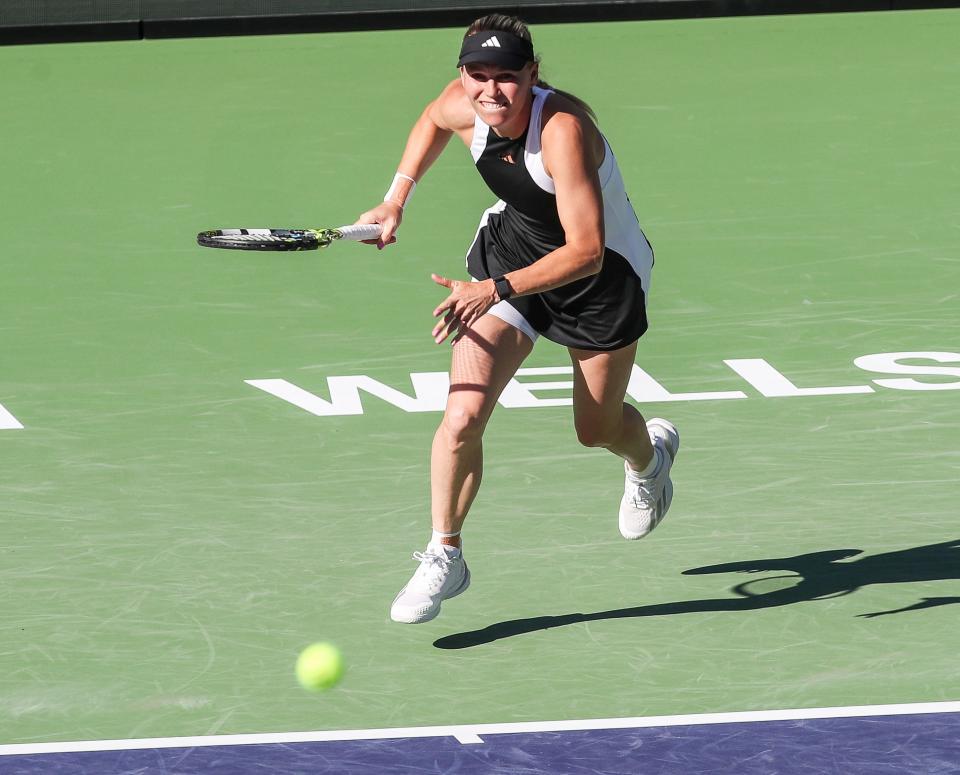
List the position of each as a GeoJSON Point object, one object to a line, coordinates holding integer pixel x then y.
{"type": "Point", "coordinates": [466, 304]}
{"type": "Point", "coordinates": [388, 215]}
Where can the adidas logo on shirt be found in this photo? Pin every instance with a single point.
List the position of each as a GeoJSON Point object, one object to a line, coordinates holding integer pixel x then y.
{"type": "Point", "coordinates": [491, 41]}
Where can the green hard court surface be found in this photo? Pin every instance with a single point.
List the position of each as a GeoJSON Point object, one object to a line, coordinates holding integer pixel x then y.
{"type": "Point", "coordinates": [173, 536]}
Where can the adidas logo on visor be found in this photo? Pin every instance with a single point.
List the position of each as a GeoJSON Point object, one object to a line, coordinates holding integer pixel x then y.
{"type": "Point", "coordinates": [491, 41]}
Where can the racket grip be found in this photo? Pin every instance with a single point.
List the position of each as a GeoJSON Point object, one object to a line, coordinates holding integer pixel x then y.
{"type": "Point", "coordinates": [361, 231]}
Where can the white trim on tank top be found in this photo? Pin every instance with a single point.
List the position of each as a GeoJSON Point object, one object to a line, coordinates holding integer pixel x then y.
{"type": "Point", "coordinates": [623, 233]}
{"type": "Point", "coordinates": [533, 149]}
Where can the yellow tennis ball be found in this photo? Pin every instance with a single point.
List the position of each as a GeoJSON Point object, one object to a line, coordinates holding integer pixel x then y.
{"type": "Point", "coordinates": [319, 666]}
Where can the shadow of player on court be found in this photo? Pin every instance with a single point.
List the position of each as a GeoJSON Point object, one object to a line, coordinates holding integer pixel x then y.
{"type": "Point", "coordinates": [813, 576]}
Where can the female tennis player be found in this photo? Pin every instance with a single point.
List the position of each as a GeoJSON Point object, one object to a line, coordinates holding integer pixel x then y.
{"type": "Point", "coordinates": [561, 254]}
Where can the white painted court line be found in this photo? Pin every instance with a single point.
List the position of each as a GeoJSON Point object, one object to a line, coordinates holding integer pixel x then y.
{"type": "Point", "coordinates": [473, 733]}
{"type": "Point", "coordinates": [8, 421]}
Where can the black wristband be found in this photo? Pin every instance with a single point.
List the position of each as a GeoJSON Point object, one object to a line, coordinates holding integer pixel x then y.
{"type": "Point", "coordinates": [504, 291]}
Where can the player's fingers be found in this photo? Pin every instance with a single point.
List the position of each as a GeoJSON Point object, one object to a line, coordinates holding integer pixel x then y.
{"type": "Point", "coordinates": [448, 303]}
{"type": "Point", "coordinates": [462, 329]}
{"type": "Point", "coordinates": [378, 242]}
{"type": "Point", "coordinates": [443, 328]}
{"type": "Point", "coordinates": [390, 224]}
{"type": "Point", "coordinates": [442, 334]}
{"type": "Point", "coordinates": [389, 219]}
{"type": "Point", "coordinates": [441, 280]}
{"type": "Point", "coordinates": [449, 325]}
{"type": "Point", "coordinates": [439, 325]}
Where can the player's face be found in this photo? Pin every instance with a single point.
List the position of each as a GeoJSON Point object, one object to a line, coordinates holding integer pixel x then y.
{"type": "Point", "coordinates": [498, 96]}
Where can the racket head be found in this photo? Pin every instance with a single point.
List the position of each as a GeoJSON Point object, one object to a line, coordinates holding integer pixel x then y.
{"type": "Point", "coordinates": [268, 239]}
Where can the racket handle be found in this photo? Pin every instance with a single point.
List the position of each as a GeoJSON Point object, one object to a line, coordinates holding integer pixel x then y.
{"type": "Point", "coordinates": [361, 231]}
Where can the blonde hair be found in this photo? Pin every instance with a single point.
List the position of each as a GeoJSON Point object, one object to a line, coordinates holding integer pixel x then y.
{"type": "Point", "coordinates": [500, 22]}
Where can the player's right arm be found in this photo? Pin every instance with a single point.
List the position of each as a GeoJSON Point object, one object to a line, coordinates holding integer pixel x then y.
{"type": "Point", "coordinates": [447, 114]}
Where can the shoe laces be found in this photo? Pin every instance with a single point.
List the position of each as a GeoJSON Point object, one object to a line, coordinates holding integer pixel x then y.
{"type": "Point", "coordinates": [644, 493]}
{"type": "Point", "coordinates": [433, 569]}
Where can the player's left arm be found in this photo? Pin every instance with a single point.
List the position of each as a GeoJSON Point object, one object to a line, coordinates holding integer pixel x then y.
{"type": "Point", "coordinates": [570, 159]}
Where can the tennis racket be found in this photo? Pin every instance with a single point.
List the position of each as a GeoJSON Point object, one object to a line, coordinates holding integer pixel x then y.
{"type": "Point", "coordinates": [285, 239]}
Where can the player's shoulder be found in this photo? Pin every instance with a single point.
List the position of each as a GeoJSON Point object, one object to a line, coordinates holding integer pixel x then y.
{"type": "Point", "coordinates": [562, 116]}
{"type": "Point", "coordinates": [568, 131]}
{"type": "Point", "coordinates": [452, 109]}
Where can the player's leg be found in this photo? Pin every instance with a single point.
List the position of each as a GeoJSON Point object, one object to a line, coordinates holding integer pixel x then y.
{"type": "Point", "coordinates": [483, 362]}
{"type": "Point", "coordinates": [604, 419]}
{"type": "Point", "coordinates": [601, 416]}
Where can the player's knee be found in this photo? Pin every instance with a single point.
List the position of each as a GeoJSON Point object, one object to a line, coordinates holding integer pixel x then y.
{"type": "Point", "coordinates": [463, 424]}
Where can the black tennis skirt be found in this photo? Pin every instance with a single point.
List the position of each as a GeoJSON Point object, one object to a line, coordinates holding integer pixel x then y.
{"type": "Point", "coordinates": [605, 311]}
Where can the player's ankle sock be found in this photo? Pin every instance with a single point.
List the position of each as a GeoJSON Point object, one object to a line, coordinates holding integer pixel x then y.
{"type": "Point", "coordinates": [436, 539]}
{"type": "Point", "coordinates": [651, 468]}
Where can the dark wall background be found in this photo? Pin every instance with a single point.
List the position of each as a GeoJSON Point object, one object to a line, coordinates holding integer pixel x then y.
{"type": "Point", "coordinates": [30, 21]}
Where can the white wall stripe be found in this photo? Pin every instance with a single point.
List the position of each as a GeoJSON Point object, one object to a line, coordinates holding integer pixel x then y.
{"type": "Point", "coordinates": [473, 733]}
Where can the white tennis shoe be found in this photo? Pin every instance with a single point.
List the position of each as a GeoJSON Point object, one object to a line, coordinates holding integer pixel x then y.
{"type": "Point", "coordinates": [646, 499]}
{"type": "Point", "coordinates": [442, 574]}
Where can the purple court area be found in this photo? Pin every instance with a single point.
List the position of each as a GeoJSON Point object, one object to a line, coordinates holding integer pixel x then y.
{"type": "Point", "coordinates": [927, 744]}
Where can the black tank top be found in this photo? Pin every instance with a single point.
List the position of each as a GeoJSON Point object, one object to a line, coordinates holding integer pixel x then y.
{"type": "Point", "coordinates": [503, 169]}
{"type": "Point", "coordinates": [525, 222]}
{"type": "Point", "coordinates": [603, 311]}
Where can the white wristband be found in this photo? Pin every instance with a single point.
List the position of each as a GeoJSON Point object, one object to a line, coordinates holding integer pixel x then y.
{"type": "Point", "coordinates": [389, 197]}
